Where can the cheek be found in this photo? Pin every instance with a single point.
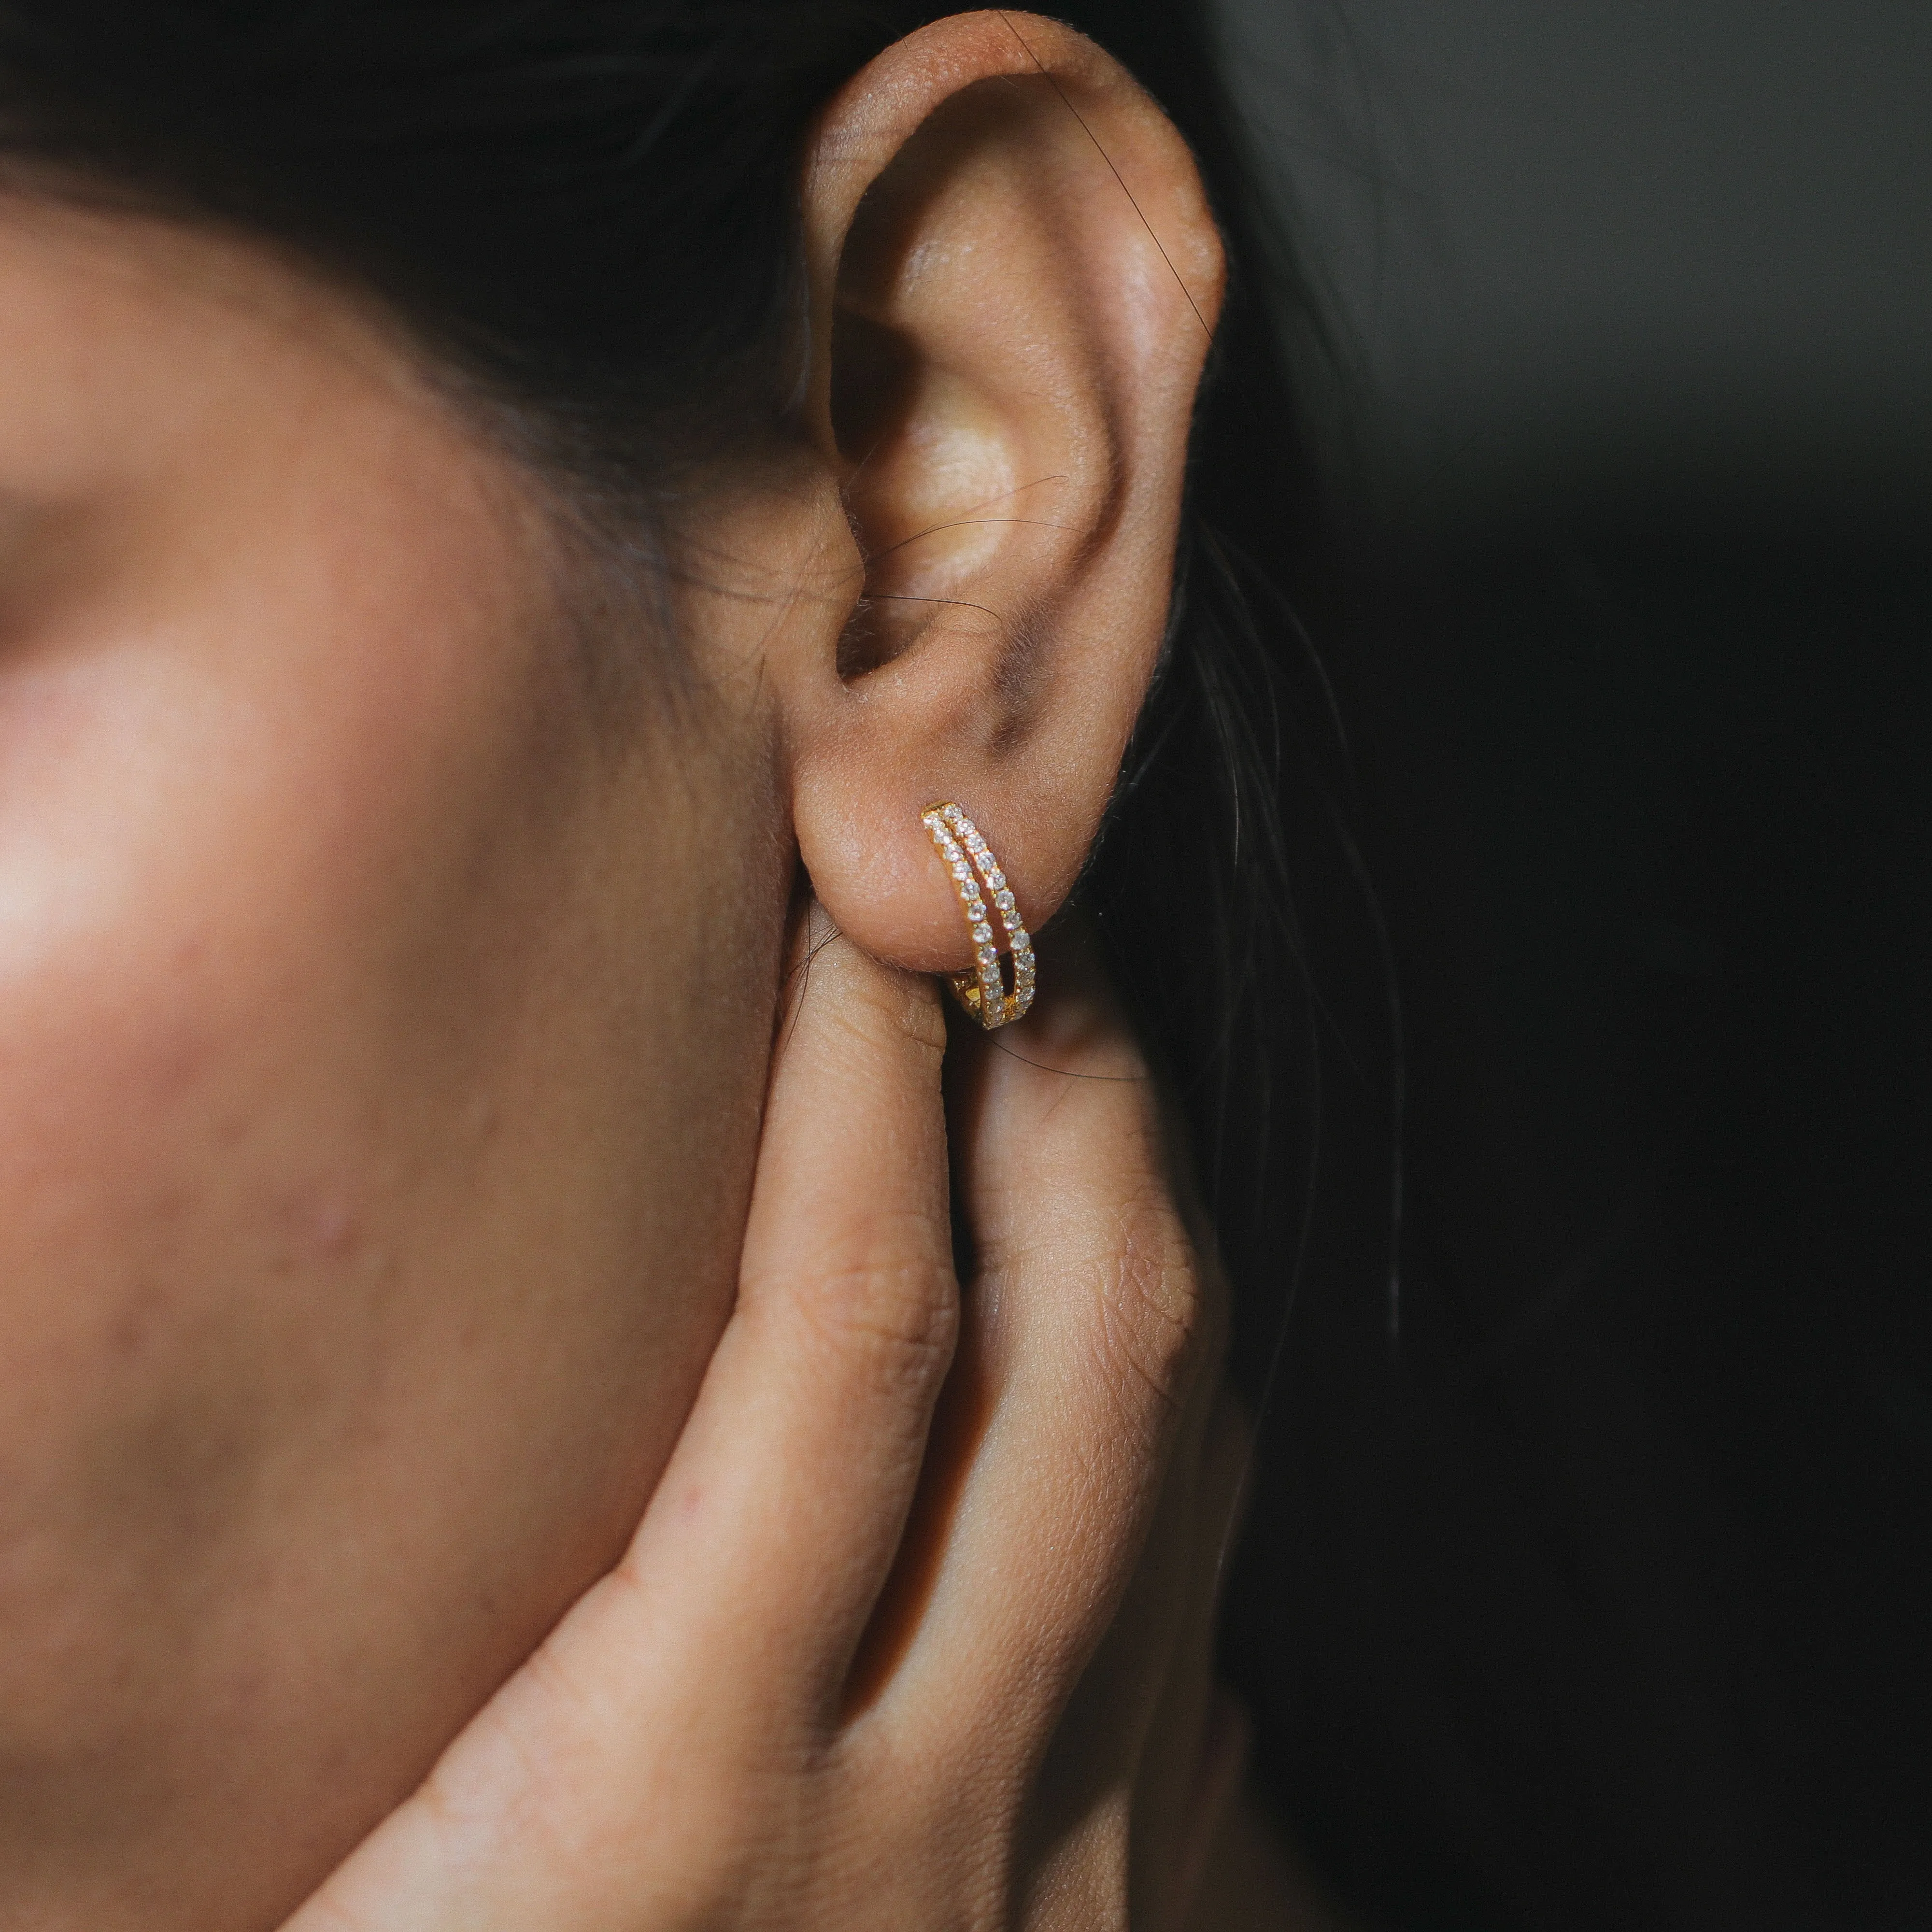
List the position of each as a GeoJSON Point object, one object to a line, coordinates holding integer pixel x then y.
{"type": "Point", "coordinates": [218, 854]}
{"type": "Point", "coordinates": [379, 1111]}
{"type": "Point", "coordinates": [254, 851]}
{"type": "Point", "coordinates": [381, 1049]}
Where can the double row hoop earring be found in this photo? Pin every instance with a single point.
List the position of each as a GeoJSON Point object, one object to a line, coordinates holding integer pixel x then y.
{"type": "Point", "coordinates": [984, 897]}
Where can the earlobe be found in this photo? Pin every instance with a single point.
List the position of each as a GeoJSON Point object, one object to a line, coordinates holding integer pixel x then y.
{"type": "Point", "coordinates": [1012, 340]}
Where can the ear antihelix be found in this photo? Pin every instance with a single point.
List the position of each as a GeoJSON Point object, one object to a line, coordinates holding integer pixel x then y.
{"type": "Point", "coordinates": [984, 896]}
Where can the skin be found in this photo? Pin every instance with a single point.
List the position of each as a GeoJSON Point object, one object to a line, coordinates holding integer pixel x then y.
{"type": "Point", "coordinates": [386, 1017]}
{"type": "Point", "coordinates": [334, 966]}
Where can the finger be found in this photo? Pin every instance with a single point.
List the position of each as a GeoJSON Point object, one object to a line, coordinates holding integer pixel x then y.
{"type": "Point", "coordinates": [1221, 1773]}
{"type": "Point", "coordinates": [1109, 1834]}
{"type": "Point", "coordinates": [1195, 1750]}
{"type": "Point", "coordinates": [788, 1493]}
{"type": "Point", "coordinates": [1087, 1326]}
{"type": "Point", "coordinates": [1148, 1754]}
{"type": "Point", "coordinates": [653, 1705]}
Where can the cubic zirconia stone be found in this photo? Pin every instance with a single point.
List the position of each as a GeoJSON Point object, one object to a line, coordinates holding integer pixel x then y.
{"type": "Point", "coordinates": [978, 880]}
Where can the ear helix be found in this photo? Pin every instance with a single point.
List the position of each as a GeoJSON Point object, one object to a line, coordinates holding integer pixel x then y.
{"type": "Point", "coordinates": [977, 878]}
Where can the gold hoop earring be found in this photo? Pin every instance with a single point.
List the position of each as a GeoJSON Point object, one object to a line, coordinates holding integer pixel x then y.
{"type": "Point", "coordinates": [983, 893]}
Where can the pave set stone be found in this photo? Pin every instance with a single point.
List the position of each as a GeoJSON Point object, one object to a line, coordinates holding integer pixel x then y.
{"type": "Point", "coordinates": [977, 879]}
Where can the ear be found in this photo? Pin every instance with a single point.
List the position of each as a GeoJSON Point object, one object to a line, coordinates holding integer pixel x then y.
{"type": "Point", "coordinates": [1014, 275]}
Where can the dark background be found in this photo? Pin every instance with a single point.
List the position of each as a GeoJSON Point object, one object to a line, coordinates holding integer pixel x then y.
{"type": "Point", "coordinates": [1605, 1584]}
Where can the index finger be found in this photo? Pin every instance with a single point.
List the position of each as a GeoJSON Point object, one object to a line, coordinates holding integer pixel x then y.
{"type": "Point", "coordinates": [724, 1634]}
{"type": "Point", "coordinates": [789, 1487]}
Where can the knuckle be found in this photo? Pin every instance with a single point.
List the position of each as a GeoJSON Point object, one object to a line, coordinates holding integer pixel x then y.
{"type": "Point", "coordinates": [1155, 1326]}
{"type": "Point", "coordinates": [890, 1308]}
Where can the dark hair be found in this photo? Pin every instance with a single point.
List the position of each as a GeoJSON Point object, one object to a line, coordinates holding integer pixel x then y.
{"type": "Point", "coordinates": [586, 212]}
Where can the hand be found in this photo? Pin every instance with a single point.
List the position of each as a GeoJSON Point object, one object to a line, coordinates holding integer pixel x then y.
{"type": "Point", "coordinates": [916, 1631]}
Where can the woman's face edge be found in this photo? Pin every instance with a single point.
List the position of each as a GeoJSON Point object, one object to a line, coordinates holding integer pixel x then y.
{"type": "Point", "coordinates": [382, 1043]}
